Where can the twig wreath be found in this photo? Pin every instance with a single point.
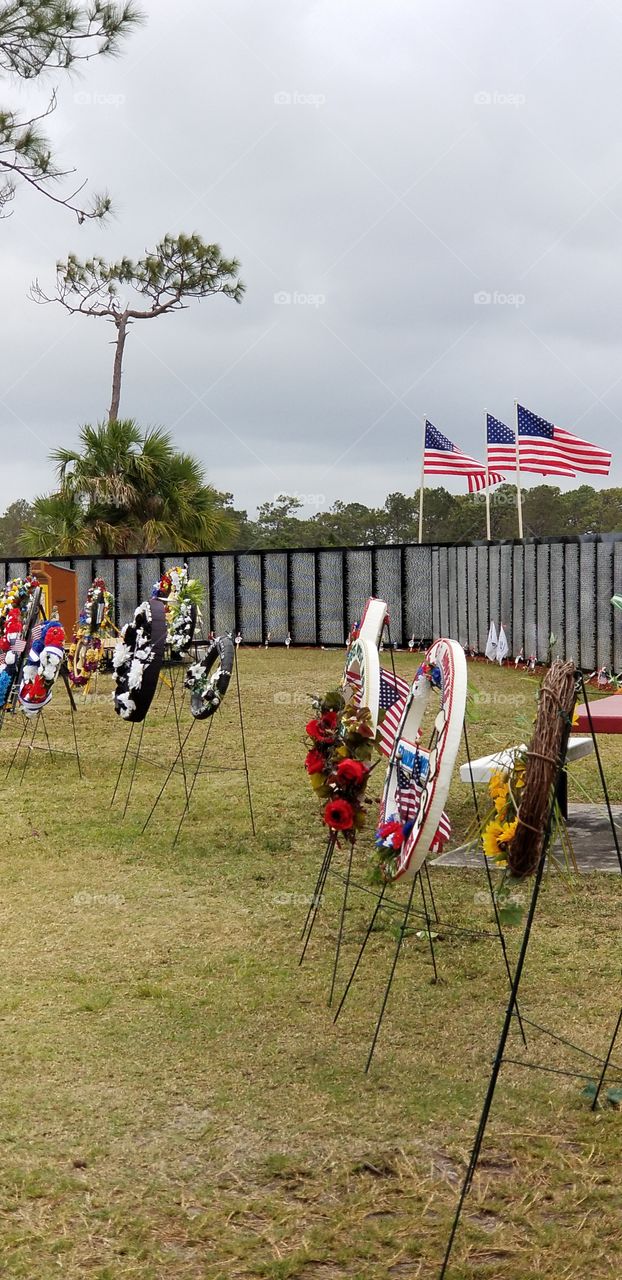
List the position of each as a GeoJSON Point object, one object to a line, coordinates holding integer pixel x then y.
{"type": "Point", "coordinates": [522, 798]}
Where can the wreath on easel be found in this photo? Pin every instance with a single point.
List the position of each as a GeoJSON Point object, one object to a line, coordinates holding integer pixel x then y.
{"type": "Point", "coordinates": [412, 818]}
{"type": "Point", "coordinates": [338, 762]}
{"type": "Point", "coordinates": [137, 660]}
{"type": "Point", "coordinates": [183, 596]}
{"type": "Point", "coordinates": [19, 610]}
{"type": "Point", "coordinates": [86, 651]}
{"type": "Point", "coordinates": [42, 667]}
{"type": "Point", "coordinates": [208, 679]}
{"type": "Point", "coordinates": [514, 837]}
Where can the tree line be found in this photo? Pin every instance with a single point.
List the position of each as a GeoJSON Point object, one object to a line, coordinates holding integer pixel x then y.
{"type": "Point", "coordinates": [448, 517]}
{"type": "Point", "coordinates": [124, 491]}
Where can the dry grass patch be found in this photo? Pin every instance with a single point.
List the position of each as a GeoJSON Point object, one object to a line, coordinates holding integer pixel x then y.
{"type": "Point", "coordinates": [176, 1100]}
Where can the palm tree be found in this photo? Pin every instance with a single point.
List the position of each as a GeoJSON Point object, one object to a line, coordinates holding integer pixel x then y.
{"type": "Point", "coordinates": [57, 529]}
{"type": "Point", "coordinates": [126, 490]}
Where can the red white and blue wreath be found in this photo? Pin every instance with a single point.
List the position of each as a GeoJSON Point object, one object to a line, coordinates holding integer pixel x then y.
{"type": "Point", "coordinates": [42, 667]}
{"type": "Point", "coordinates": [412, 818]}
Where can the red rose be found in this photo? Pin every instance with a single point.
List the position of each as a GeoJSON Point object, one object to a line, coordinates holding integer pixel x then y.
{"type": "Point", "coordinates": [351, 773]}
{"type": "Point", "coordinates": [323, 730]}
{"type": "Point", "coordinates": [391, 829]}
{"type": "Point", "coordinates": [315, 762]}
{"type": "Point", "coordinates": [339, 815]}
{"type": "Point", "coordinates": [55, 635]}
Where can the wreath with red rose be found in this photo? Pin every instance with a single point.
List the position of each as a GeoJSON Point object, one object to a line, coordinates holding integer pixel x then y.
{"type": "Point", "coordinates": [339, 762]}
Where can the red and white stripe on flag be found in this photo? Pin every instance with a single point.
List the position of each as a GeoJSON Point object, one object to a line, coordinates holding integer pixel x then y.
{"type": "Point", "coordinates": [581, 455]}
{"type": "Point", "coordinates": [550, 450]}
{"type": "Point", "coordinates": [408, 800]}
{"type": "Point", "coordinates": [441, 457]}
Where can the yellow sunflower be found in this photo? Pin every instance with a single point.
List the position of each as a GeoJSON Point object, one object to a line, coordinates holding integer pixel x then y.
{"type": "Point", "coordinates": [498, 785]}
{"type": "Point", "coordinates": [496, 838]}
{"type": "Point", "coordinates": [519, 776]}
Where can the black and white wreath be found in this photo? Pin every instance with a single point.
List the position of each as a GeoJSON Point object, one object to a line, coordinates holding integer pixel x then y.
{"type": "Point", "coordinates": [132, 655]}
{"type": "Point", "coordinates": [208, 680]}
{"type": "Point", "coordinates": [138, 659]}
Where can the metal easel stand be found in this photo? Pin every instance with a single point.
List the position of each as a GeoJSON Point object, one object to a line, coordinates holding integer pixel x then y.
{"type": "Point", "coordinates": [180, 764]}
{"type": "Point", "coordinates": [135, 756]}
{"type": "Point", "coordinates": [431, 922]}
{"type": "Point", "coordinates": [32, 722]}
{"type": "Point", "coordinates": [512, 1006]}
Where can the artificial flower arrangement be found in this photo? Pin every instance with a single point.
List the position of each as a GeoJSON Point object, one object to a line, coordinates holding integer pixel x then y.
{"type": "Point", "coordinates": [504, 789]}
{"type": "Point", "coordinates": [184, 597]}
{"type": "Point", "coordinates": [396, 827]}
{"type": "Point", "coordinates": [133, 653]}
{"type": "Point", "coordinates": [15, 601]}
{"type": "Point", "coordinates": [391, 834]}
{"type": "Point", "coordinates": [42, 667]}
{"type": "Point", "coordinates": [86, 651]}
{"type": "Point", "coordinates": [339, 761]}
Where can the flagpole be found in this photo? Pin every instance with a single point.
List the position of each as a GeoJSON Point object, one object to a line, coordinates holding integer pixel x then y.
{"type": "Point", "coordinates": [421, 487]}
{"type": "Point", "coordinates": [488, 539]}
{"type": "Point", "coordinates": [519, 495]}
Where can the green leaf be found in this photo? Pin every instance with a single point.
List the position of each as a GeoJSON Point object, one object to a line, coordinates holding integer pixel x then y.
{"type": "Point", "coordinates": [589, 1091]}
{"type": "Point", "coordinates": [511, 913]}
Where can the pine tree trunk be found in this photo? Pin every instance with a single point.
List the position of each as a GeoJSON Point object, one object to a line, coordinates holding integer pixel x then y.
{"type": "Point", "coordinates": [117, 371]}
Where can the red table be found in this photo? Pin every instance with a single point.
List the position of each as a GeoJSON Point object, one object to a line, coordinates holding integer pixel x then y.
{"type": "Point", "coordinates": [606, 715]}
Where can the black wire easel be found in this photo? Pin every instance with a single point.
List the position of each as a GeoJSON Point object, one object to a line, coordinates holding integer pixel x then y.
{"type": "Point", "coordinates": [428, 914]}
{"type": "Point", "coordinates": [180, 764]}
{"type": "Point", "coordinates": [512, 1006]}
{"type": "Point", "coordinates": [28, 744]}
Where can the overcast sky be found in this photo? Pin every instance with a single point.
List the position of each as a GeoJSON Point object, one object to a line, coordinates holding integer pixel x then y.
{"type": "Point", "coordinates": [377, 168]}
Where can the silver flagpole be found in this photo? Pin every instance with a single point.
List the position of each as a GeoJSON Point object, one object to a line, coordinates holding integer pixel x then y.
{"type": "Point", "coordinates": [519, 494]}
{"type": "Point", "coordinates": [488, 539]}
{"type": "Point", "coordinates": [422, 486]}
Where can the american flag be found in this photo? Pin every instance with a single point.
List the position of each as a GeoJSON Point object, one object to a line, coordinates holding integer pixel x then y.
{"type": "Point", "coordinates": [541, 443]}
{"type": "Point", "coordinates": [442, 458]}
{"type": "Point", "coordinates": [549, 449]}
{"type": "Point", "coordinates": [501, 444]}
{"type": "Point", "coordinates": [408, 796]}
{"type": "Point", "coordinates": [394, 692]}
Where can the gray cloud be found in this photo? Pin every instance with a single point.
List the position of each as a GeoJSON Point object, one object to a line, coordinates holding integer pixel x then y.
{"type": "Point", "coordinates": [380, 165]}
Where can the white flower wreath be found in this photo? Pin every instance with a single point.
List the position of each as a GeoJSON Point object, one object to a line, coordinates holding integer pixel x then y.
{"type": "Point", "coordinates": [130, 660]}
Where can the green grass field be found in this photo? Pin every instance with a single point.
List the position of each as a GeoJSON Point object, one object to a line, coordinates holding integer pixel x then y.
{"type": "Point", "coordinates": [176, 1100]}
